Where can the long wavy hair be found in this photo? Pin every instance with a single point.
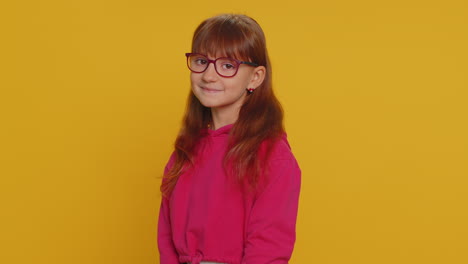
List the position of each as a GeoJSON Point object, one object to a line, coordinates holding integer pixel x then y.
{"type": "Point", "coordinates": [260, 120]}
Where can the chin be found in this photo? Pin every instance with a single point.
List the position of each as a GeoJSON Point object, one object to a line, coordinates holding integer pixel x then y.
{"type": "Point", "coordinates": [209, 104]}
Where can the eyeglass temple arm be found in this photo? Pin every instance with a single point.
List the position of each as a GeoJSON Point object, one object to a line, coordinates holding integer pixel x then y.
{"type": "Point", "coordinates": [249, 63]}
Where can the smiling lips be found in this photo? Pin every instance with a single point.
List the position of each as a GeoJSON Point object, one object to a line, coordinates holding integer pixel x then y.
{"type": "Point", "coordinates": [209, 90]}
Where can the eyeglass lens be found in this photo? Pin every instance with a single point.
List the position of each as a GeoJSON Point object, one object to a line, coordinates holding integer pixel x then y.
{"type": "Point", "coordinates": [223, 66]}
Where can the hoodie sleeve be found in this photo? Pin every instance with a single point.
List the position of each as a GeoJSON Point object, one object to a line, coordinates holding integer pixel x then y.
{"type": "Point", "coordinates": [271, 229]}
{"type": "Point", "coordinates": [167, 251]}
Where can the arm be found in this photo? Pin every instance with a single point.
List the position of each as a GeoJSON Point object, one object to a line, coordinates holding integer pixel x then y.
{"type": "Point", "coordinates": [271, 229]}
{"type": "Point", "coordinates": [167, 252]}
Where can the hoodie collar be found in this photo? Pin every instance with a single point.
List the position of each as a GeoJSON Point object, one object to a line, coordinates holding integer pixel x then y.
{"type": "Point", "coordinates": [220, 131]}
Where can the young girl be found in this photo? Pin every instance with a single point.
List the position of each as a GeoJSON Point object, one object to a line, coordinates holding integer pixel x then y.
{"type": "Point", "coordinates": [231, 187]}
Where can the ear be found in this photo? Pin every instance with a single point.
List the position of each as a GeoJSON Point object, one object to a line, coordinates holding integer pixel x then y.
{"type": "Point", "coordinates": [258, 75]}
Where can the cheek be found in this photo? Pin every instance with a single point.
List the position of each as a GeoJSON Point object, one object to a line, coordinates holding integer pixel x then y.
{"type": "Point", "coordinates": [192, 77]}
{"type": "Point", "coordinates": [244, 77]}
{"type": "Point", "coordinates": [241, 83]}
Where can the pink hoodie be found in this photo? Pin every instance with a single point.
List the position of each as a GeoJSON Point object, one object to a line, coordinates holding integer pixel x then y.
{"type": "Point", "coordinates": [210, 217]}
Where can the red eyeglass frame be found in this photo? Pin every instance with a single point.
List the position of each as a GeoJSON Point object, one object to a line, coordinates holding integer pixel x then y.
{"type": "Point", "coordinates": [239, 62]}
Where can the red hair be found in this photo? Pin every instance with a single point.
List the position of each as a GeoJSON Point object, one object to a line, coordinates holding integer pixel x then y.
{"type": "Point", "coordinates": [260, 120]}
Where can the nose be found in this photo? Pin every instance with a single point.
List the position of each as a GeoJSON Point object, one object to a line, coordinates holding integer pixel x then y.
{"type": "Point", "coordinates": [210, 74]}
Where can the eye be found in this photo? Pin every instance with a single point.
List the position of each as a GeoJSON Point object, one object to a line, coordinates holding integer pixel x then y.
{"type": "Point", "coordinates": [200, 61]}
{"type": "Point", "coordinates": [228, 66]}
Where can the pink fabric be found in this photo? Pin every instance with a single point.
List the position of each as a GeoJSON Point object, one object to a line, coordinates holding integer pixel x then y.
{"type": "Point", "coordinates": [210, 217]}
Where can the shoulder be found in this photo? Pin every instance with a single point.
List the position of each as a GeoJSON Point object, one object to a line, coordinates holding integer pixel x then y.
{"type": "Point", "coordinates": [277, 149]}
{"type": "Point", "coordinates": [170, 162]}
{"type": "Point", "coordinates": [279, 165]}
{"type": "Point", "coordinates": [278, 159]}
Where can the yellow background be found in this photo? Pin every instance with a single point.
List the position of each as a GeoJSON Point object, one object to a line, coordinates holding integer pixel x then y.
{"type": "Point", "coordinates": [375, 95]}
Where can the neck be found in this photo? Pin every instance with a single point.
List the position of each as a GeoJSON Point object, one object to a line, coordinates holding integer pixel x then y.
{"type": "Point", "coordinates": [222, 117]}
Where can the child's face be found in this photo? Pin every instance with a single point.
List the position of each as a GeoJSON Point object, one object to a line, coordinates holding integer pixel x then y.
{"type": "Point", "coordinates": [221, 93]}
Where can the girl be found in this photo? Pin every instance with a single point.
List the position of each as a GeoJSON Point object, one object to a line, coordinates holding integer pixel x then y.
{"type": "Point", "coordinates": [231, 187]}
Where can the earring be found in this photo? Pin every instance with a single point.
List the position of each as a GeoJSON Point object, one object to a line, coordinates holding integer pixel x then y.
{"type": "Point", "coordinates": [250, 90]}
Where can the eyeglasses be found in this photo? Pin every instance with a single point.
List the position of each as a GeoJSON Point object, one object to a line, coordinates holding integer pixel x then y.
{"type": "Point", "coordinates": [225, 67]}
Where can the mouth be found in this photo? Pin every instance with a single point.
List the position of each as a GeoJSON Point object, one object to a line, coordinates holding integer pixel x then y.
{"type": "Point", "coordinates": [209, 90]}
